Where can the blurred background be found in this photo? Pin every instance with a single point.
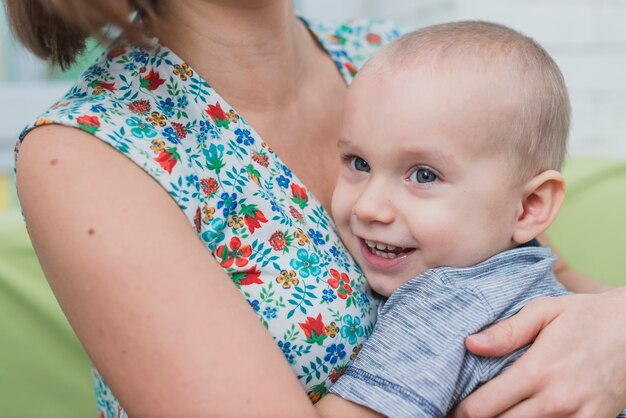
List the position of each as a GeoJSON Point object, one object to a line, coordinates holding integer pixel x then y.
{"type": "Point", "coordinates": [586, 37]}
{"type": "Point", "coordinates": [43, 371]}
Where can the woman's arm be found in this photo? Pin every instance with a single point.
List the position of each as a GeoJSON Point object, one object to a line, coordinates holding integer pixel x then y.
{"type": "Point", "coordinates": [159, 318]}
{"type": "Point", "coordinates": [576, 366]}
{"type": "Point", "coordinates": [333, 406]}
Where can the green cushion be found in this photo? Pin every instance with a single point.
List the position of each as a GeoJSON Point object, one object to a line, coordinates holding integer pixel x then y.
{"type": "Point", "coordinates": [590, 230]}
{"type": "Point", "coordinates": [44, 371]}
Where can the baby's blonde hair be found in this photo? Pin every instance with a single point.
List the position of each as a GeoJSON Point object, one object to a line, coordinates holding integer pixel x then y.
{"type": "Point", "coordinates": [540, 124]}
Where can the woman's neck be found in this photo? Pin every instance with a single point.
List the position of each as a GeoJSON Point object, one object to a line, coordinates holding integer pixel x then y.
{"type": "Point", "coordinates": [254, 53]}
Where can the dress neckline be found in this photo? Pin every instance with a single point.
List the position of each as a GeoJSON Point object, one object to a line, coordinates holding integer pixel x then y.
{"type": "Point", "coordinates": [334, 50]}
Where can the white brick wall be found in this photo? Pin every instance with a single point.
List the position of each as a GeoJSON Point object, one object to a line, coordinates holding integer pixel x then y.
{"type": "Point", "coordinates": [587, 38]}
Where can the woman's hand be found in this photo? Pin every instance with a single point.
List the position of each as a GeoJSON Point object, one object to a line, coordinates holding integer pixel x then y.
{"type": "Point", "coordinates": [576, 366]}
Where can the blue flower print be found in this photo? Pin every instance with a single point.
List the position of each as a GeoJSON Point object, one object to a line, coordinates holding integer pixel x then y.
{"type": "Point", "coordinates": [269, 312]}
{"type": "Point", "coordinates": [316, 236]}
{"type": "Point", "coordinates": [203, 130]}
{"type": "Point", "coordinates": [274, 205]}
{"type": "Point", "coordinates": [362, 299]}
{"type": "Point", "coordinates": [191, 180]}
{"type": "Point", "coordinates": [283, 182]}
{"type": "Point", "coordinates": [94, 71]}
{"type": "Point", "coordinates": [139, 55]}
{"type": "Point", "coordinates": [98, 108]}
{"type": "Point", "coordinates": [131, 66]}
{"type": "Point", "coordinates": [205, 126]}
{"type": "Point", "coordinates": [287, 171]}
{"type": "Point", "coordinates": [228, 203]}
{"type": "Point", "coordinates": [328, 295]}
{"type": "Point", "coordinates": [306, 264]}
{"type": "Point", "coordinates": [214, 233]}
{"type": "Point", "coordinates": [140, 129]}
{"type": "Point", "coordinates": [171, 135]}
{"type": "Point", "coordinates": [182, 102]}
{"type": "Point", "coordinates": [254, 304]}
{"type": "Point", "coordinates": [243, 136]}
{"type": "Point", "coordinates": [285, 347]}
{"type": "Point", "coordinates": [335, 352]}
{"type": "Point", "coordinates": [166, 107]}
{"type": "Point", "coordinates": [352, 328]}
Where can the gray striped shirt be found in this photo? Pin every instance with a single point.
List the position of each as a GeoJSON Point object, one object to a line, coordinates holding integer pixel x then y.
{"type": "Point", "coordinates": [415, 363]}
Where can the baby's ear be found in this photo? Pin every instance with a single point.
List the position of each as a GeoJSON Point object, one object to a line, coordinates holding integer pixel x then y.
{"type": "Point", "coordinates": [541, 201]}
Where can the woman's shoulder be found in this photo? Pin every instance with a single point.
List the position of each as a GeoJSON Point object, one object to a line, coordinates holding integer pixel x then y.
{"type": "Point", "coordinates": [356, 39]}
{"type": "Point", "coordinates": [140, 101]}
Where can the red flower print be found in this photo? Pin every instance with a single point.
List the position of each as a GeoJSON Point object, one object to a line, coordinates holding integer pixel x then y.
{"type": "Point", "coordinates": [247, 277]}
{"type": "Point", "coordinates": [299, 195]}
{"type": "Point", "coordinates": [88, 123]}
{"type": "Point", "coordinates": [278, 241]}
{"type": "Point", "coordinates": [254, 222]}
{"type": "Point", "coordinates": [237, 253]}
{"type": "Point", "coordinates": [351, 68]}
{"type": "Point", "coordinates": [197, 220]}
{"type": "Point", "coordinates": [373, 38]}
{"type": "Point", "coordinates": [167, 159]}
{"type": "Point", "coordinates": [260, 158]}
{"type": "Point", "coordinates": [116, 52]}
{"type": "Point", "coordinates": [314, 329]}
{"type": "Point", "coordinates": [140, 107]}
{"type": "Point", "coordinates": [217, 115]}
{"type": "Point", "coordinates": [295, 214]}
{"type": "Point", "coordinates": [341, 282]}
{"type": "Point", "coordinates": [335, 374]}
{"type": "Point", "coordinates": [180, 129]}
{"type": "Point", "coordinates": [107, 86]}
{"type": "Point", "coordinates": [252, 217]}
{"type": "Point", "coordinates": [209, 186]}
{"type": "Point", "coordinates": [152, 81]}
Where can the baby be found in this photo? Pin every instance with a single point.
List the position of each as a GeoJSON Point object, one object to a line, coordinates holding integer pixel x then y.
{"type": "Point", "coordinates": [452, 141]}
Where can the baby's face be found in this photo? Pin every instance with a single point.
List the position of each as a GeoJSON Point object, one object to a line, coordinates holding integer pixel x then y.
{"type": "Point", "coordinates": [422, 183]}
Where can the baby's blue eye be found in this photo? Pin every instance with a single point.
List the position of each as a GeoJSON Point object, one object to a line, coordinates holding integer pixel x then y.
{"type": "Point", "coordinates": [359, 164]}
{"type": "Point", "coordinates": [423, 175]}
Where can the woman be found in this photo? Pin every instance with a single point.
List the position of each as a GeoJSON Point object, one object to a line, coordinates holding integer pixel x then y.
{"type": "Point", "coordinates": [161, 321]}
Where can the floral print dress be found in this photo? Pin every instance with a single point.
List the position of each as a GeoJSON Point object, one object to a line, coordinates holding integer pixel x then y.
{"type": "Point", "coordinates": [260, 223]}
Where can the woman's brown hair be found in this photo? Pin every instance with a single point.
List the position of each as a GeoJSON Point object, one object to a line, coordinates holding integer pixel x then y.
{"type": "Point", "coordinates": [56, 30]}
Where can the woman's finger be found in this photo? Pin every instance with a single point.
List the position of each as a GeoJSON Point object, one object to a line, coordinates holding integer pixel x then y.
{"type": "Point", "coordinates": [517, 331]}
{"type": "Point", "coordinates": [534, 407]}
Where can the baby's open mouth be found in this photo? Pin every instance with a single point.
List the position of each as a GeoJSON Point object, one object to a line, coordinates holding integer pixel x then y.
{"type": "Point", "coordinates": [385, 250]}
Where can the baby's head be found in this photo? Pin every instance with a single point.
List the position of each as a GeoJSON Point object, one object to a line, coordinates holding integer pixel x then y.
{"type": "Point", "coordinates": [452, 140]}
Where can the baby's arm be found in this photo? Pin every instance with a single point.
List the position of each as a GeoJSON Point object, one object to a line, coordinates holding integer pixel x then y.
{"type": "Point", "coordinates": [414, 363]}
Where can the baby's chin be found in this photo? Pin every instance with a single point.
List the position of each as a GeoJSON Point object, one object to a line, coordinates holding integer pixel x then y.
{"type": "Point", "coordinates": [385, 286]}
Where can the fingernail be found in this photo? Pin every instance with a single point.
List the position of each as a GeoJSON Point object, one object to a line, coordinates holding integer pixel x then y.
{"type": "Point", "coordinates": [481, 337]}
